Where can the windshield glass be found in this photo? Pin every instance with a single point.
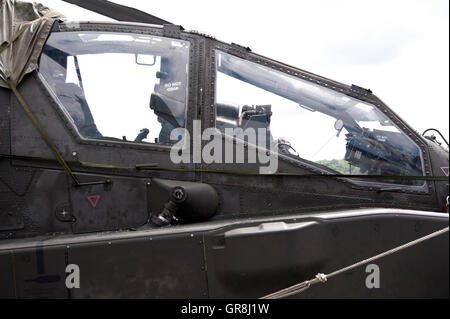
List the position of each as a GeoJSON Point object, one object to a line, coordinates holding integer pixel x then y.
{"type": "Point", "coordinates": [119, 86]}
{"type": "Point", "coordinates": [312, 122]}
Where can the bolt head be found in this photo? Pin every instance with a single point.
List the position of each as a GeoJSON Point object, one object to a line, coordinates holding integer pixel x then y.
{"type": "Point", "coordinates": [178, 194]}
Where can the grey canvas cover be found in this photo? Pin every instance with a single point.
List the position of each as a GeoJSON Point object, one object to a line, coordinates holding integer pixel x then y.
{"type": "Point", "coordinates": [24, 28]}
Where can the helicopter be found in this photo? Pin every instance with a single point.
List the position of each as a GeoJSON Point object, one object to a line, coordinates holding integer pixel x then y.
{"type": "Point", "coordinates": [164, 163]}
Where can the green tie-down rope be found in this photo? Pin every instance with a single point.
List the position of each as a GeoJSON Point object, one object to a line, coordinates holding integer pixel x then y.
{"type": "Point", "coordinates": [16, 35]}
{"type": "Point", "coordinates": [44, 135]}
{"type": "Point", "coordinates": [154, 167]}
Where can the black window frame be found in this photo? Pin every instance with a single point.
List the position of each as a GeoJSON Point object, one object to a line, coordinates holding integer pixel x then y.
{"type": "Point", "coordinates": [351, 91]}
{"type": "Point", "coordinates": [118, 27]}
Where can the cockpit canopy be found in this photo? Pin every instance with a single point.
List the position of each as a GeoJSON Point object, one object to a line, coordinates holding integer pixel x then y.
{"type": "Point", "coordinates": [116, 85]}
{"type": "Point", "coordinates": [313, 122]}
{"type": "Point", "coordinates": [133, 87]}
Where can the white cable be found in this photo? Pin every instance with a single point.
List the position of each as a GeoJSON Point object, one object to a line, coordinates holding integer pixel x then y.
{"type": "Point", "coordinates": [298, 288]}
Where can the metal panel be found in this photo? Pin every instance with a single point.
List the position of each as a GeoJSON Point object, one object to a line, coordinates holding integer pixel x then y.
{"type": "Point", "coordinates": [147, 267]}
{"type": "Point", "coordinates": [39, 272]}
{"type": "Point", "coordinates": [245, 263]}
{"type": "Point", "coordinates": [8, 277]}
{"type": "Point", "coordinates": [120, 204]}
{"type": "Point", "coordinates": [5, 111]}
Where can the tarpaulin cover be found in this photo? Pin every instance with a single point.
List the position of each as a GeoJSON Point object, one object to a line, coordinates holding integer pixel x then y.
{"type": "Point", "coordinates": [24, 28]}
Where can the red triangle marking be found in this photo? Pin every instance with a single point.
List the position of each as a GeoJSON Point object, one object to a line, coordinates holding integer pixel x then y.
{"type": "Point", "coordinates": [94, 200]}
{"type": "Point", "coordinates": [445, 170]}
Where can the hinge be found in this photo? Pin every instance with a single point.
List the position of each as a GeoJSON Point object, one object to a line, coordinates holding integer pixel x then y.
{"type": "Point", "coordinates": [360, 90]}
{"type": "Point", "coordinates": [240, 47]}
{"type": "Point", "coordinates": [172, 31]}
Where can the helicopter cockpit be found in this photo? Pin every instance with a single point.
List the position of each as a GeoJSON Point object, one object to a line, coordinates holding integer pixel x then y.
{"type": "Point", "coordinates": [311, 122]}
{"type": "Point", "coordinates": [118, 86]}
{"type": "Point", "coordinates": [133, 87]}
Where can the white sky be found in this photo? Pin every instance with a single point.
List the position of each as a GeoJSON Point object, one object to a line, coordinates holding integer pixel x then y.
{"type": "Point", "coordinates": [397, 48]}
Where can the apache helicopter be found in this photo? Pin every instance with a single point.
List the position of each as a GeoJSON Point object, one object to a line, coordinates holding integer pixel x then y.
{"type": "Point", "coordinates": [87, 176]}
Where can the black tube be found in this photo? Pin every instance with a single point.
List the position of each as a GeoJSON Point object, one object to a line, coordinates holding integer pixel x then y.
{"type": "Point", "coordinates": [433, 129]}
